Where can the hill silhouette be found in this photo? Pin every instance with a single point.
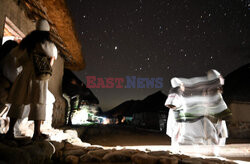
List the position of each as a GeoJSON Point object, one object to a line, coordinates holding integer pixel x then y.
{"type": "Point", "coordinates": [152, 103]}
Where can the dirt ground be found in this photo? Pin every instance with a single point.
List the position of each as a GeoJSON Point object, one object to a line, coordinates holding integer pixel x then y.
{"type": "Point", "coordinates": [113, 135]}
{"type": "Point", "coordinates": [151, 140]}
{"type": "Point", "coordinates": [118, 135]}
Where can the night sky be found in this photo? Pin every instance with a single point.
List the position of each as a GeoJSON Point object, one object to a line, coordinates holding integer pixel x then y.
{"type": "Point", "coordinates": [159, 38]}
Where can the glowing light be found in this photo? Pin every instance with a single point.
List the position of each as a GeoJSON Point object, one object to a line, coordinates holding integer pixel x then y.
{"type": "Point", "coordinates": [80, 117]}
{"type": "Point", "coordinates": [105, 121]}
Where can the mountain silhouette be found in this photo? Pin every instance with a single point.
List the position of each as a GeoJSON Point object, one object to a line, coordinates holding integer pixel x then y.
{"type": "Point", "coordinates": [152, 103]}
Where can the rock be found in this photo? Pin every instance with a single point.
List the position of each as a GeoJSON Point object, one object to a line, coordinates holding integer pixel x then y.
{"type": "Point", "coordinates": [181, 156]}
{"type": "Point", "coordinates": [88, 158]}
{"type": "Point", "coordinates": [76, 152]}
{"type": "Point", "coordinates": [159, 153]}
{"type": "Point", "coordinates": [71, 133]}
{"type": "Point", "coordinates": [69, 146]}
{"type": "Point", "coordinates": [117, 156]}
{"type": "Point", "coordinates": [23, 141]}
{"type": "Point", "coordinates": [58, 156]}
{"type": "Point", "coordinates": [168, 160]}
{"type": "Point", "coordinates": [14, 155]}
{"type": "Point", "coordinates": [40, 151]}
{"type": "Point", "coordinates": [83, 144]}
{"type": "Point", "coordinates": [57, 135]}
{"type": "Point", "coordinates": [99, 153]}
{"type": "Point", "coordinates": [58, 145]}
{"type": "Point", "coordinates": [72, 159]}
{"type": "Point", "coordinates": [190, 161]}
{"type": "Point", "coordinates": [77, 142]}
{"type": "Point", "coordinates": [74, 140]}
{"type": "Point", "coordinates": [10, 143]}
{"type": "Point", "coordinates": [93, 148]}
{"type": "Point", "coordinates": [128, 152]}
{"type": "Point", "coordinates": [142, 158]}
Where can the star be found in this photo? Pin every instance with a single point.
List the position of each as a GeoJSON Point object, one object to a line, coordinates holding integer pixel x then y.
{"type": "Point", "coordinates": [150, 38]}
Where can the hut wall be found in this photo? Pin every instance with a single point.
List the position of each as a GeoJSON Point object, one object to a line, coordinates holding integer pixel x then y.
{"type": "Point", "coordinates": [240, 111]}
{"type": "Point", "coordinates": [13, 11]}
{"type": "Point", "coordinates": [55, 86]}
{"type": "Point", "coordinates": [239, 126]}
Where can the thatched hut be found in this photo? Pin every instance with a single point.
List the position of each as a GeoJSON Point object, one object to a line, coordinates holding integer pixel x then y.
{"type": "Point", "coordinates": [77, 95]}
{"type": "Point", "coordinates": [17, 19]}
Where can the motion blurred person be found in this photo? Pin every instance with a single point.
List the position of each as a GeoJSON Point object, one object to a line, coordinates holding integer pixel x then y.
{"type": "Point", "coordinates": [197, 111]}
{"type": "Point", "coordinates": [5, 83]}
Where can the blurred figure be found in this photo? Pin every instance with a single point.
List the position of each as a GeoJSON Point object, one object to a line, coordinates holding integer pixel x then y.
{"type": "Point", "coordinates": [197, 110]}
{"type": "Point", "coordinates": [4, 63]}
{"type": "Point", "coordinates": [5, 82]}
{"type": "Point", "coordinates": [173, 101]}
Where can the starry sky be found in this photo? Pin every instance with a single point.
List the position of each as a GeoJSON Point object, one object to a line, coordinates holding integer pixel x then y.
{"type": "Point", "coordinates": [159, 38]}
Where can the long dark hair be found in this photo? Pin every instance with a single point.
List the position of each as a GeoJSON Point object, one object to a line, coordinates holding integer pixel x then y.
{"type": "Point", "coordinates": [7, 47]}
{"type": "Point", "coordinates": [30, 41]}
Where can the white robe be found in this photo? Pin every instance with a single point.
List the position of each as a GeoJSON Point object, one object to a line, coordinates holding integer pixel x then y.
{"type": "Point", "coordinates": [200, 132]}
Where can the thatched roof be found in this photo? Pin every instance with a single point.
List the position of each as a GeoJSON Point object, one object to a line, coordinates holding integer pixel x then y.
{"type": "Point", "coordinates": [79, 88]}
{"type": "Point", "coordinates": [62, 28]}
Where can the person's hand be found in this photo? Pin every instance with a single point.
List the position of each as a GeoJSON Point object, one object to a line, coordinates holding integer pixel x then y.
{"type": "Point", "coordinates": [171, 106]}
{"type": "Point", "coordinates": [52, 61]}
{"type": "Point", "coordinates": [182, 87]}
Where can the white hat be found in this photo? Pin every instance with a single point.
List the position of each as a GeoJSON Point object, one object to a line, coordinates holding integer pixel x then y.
{"type": "Point", "coordinates": [176, 82]}
{"type": "Point", "coordinates": [213, 74]}
{"type": "Point", "coordinates": [42, 25]}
